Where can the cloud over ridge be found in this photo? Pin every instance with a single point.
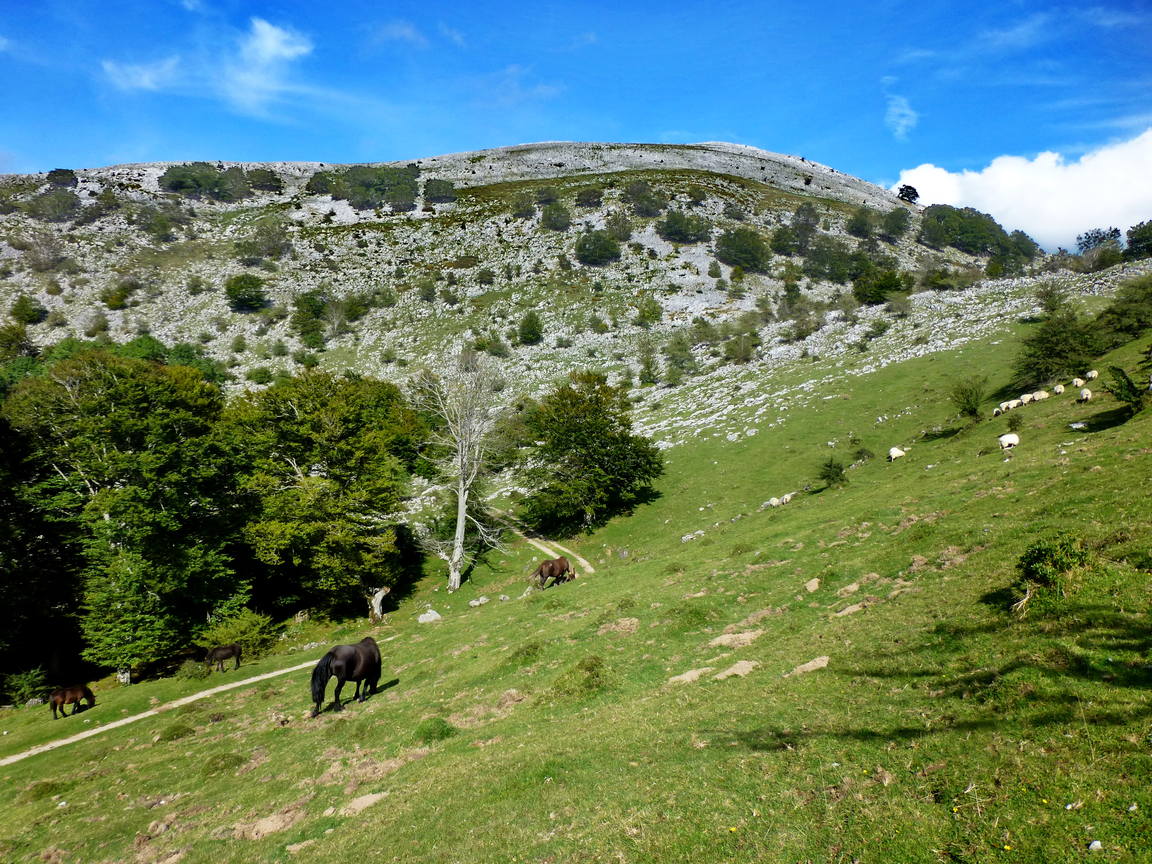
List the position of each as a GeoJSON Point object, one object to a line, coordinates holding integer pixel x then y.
{"type": "Point", "coordinates": [1050, 197]}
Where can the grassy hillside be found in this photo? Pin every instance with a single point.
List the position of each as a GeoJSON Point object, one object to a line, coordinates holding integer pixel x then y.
{"type": "Point", "coordinates": [648, 712]}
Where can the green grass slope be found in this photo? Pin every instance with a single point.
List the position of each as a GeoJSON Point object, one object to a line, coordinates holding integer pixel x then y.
{"type": "Point", "coordinates": [653, 711]}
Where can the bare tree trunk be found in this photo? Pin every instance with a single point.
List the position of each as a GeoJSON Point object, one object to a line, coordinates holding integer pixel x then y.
{"type": "Point", "coordinates": [463, 400]}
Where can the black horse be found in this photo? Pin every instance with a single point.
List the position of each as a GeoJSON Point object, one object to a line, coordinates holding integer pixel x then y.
{"type": "Point", "coordinates": [221, 653]}
{"type": "Point", "coordinates": [63, 696]}
{"type": "Point", "coordinates": [359, 663]}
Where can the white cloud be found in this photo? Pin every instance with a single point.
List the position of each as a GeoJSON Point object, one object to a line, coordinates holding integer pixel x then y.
{"type": "Point", "coordinates": [899, 117]}
{"type": "Point", "coordinates": [5, 44]}
{"type": "Point", "coordinates": [453, 35]}
{"type": "Point", "coordinates": [259, 74]}
{"type": "Point", "coordinates": [1048, 197]}
{"type": "Point", "coordinates": [142, 76]}
{"type": "Point", "coordinates": [402, 31]}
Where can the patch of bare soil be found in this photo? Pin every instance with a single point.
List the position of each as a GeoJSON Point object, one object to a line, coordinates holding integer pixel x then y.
{"type": "Point", "coordinates": [810, 666]}
{"type": "Point", "coordinates": [690, 676]}
{"type": "Point", "coordinates": [366, 769]}
{"type": "Point", "coordinates": [752, 620]}
{"type": "Point", "coordinates": [260, 828]}
{"type": "Point", "coordinates": [737, 670]}
{"type": "Point", "coordinates": [736, 640]}
{"type": "Point", "coordinates": [621, 625]}
{"type": "Point", "coordinates": [477, 715]}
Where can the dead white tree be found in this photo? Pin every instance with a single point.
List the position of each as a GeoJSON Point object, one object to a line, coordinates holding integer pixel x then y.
{"type": "Point", "coordinates": [464, 399]}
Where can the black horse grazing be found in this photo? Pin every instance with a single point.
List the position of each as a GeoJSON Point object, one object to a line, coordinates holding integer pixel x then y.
{"type": "Point", "coordinates": [64, 696]}
{"type": "Point", "coordinates": [359, 663]}
{"type": "Point", "coordinates": [556, 569]}
{"type": "Point", "coordinates": [221, 653]}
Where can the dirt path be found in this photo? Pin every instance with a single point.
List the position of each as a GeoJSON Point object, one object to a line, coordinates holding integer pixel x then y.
{"type": "Point", "coordinates": [159, 709]}
{"type": "Point", "coordinates": [548, 547]}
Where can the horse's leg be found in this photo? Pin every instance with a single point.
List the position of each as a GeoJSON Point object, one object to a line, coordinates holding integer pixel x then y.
{"type": "Point", "coordinates": [336, 695]}
{"type": "Point", "coordinates": [54, 717]}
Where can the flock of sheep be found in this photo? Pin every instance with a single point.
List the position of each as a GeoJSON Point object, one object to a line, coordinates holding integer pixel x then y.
{"type": "Point", "coordinates": [1010, 440]}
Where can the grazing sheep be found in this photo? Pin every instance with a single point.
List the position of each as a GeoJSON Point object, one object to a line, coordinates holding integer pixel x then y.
{"type": "Point", "coordinates": [894, 453]}
{"type": "Point", "coordinates": [1077, 382]}
{"type": "Point", "coordinates": [773, 502]}
{"type": "Point", "coordinates": [1005, 406]}
{"type": "Point", "coordinates": [1085, 395]}
{"type": "Point", "coordinates": [1040, 395]}
{"type": "Point", "coordinates": [784, 499]}
{"type": "Point", "coordinates": [1091, 375]}
{"type": "Point", "coordinates": [1008, 440]}
{"type": "Point", "coordinates": [996, 412]}
{"type": "Point", "coordinates": [1014, 403]}
{"type": "Point", "coordinates": [1025, 398]}
{"type": "Point", "coordinates": [1058, 389]}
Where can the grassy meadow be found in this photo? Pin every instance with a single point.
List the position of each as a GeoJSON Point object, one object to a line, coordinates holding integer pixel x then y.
{"type": "Point", "coordinates": [654, 711]}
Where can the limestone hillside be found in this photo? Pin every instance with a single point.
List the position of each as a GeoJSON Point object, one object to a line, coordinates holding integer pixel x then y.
{"type": "Point", "coordinates": [460, 249]}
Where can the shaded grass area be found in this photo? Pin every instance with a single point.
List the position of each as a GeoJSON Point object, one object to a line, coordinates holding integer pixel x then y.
{"type": "Point", "coordinates": [547, 727]}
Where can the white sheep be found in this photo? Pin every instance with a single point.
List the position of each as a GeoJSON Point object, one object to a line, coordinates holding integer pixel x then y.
{"type": "Point", "coordinates": [1040, 395]}
{"type": "Point", "coordinates": [1085, 395]}
{"type": "Point", "coordinates": [1025, 398]}
{"type": "Point", "coordinates": [1091, 375]}
{"type": "Point", "coordinates": [773, 502]}
{"type": "Point", "coordinates": [1014, 403]}
{"type": "Point", "coordinates": [784, 499]}
{"type": "Point", "coordinates": [895, 453]}
{"type": "Point", "coordinates": [1058, 389]}
{"type": "Point", "coordinates": [1005, 406]}
{"type": "Point", "coordinates": [1077, 382]}
{"type": "Point", "coordinates": [1008, 440]}
{"type": "Point", "coordinates": [996, 412]}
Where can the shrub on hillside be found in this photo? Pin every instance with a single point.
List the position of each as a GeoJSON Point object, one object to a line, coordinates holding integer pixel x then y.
{"type": "Point", "coordinates": [645, 200]}
{"type": "Point", "coordinates": [531, 328]}
{"type": "Point", "coordinates": [555, 217]}
{"type": "Point", "coordinates": [1043, 570]}
{"type": "Point", "coordinates": [590, 196]}
{"type": "Point", "coordinates": [595, 248]}
{"type": "Point", "coordinates": [967, 395]}
{"type": "Point", "coordinates": [253, 632]}
{"type": "Point", "coordinates": [833, 473]}
{"type": "Point", "coordinates": [245, 292]}
{"type": "Point", "coordinates": [1063, 345]}
{"type": "Point", "coordinates": [1129, 314]}
{"type": "Point", "coordinates": [22, 686]}
{"type": "Point", "coordinates": [26, 309]}
{"type": "Point", "coordinates": [680, 227]}
{"type": "Point", "coordinates": [55, 205]}
{"type": "Point", "coordinates": [743, 247]}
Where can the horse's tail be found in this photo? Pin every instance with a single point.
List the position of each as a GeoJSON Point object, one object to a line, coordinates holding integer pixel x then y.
{"type": "Point", "coordinates": [320, 676]}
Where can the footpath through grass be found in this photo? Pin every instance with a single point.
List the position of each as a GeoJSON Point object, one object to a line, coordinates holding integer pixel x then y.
{"type": "Point", "coordinates": [653, 712]}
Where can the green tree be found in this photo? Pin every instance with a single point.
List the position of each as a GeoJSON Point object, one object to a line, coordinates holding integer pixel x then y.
{"type": "Point", "coordinates": [325, 467]}
{"type": "Point", "coordinates": [805, 223]}
{"type": "Point", "coordinates": [743, 247]}
{"type": "Point", "coordinates": [125, 452]}
{"type": "Point", "coordinates": [595, 248]}
{"type": "Point", "coordinates": [1062, 345]}
{"type": "Point", "coordinates": [618, 226]}
{"type": "Point", "coordinates": [270, 239]}
{"type": "Point", "coordinates": [62, 177]}
{"type": "Point", "coordinates": [439, 191]}
{"type": "Point", "coordinates": [680, 227]}
{"type": "Point", "coordinates": [1129, 314]}
{"type": "Point", "coordinates": [26, 309]}
{"type": "Point", "coordinates": [1139, 241]}
{"type": "Point", "coordinates": [55, 205]}
{"type": "Point", "coordinates": [589, 466]}
{"type": "Point", "coordinates": [245, 292]}
{"type": "Point", "coordinates": [531, 329]}
{"type": "Point", "coordinates": [967, 396]}
{"type": "Point", "coordinates": [645, 201]}
{"type": "Point", "coordinates": [862, 222]}
{"type": "Point", "coordinates": [895, 223]}
{"type": "Point", "coordinates": [555, 217]}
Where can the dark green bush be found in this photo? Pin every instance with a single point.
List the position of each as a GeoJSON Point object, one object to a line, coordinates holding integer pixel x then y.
{"type": "Point", "coordinates": [833, 473]}
{"type": "Point", "coordinates": [433, 729]}
{"type": "Point", "coordinates": [743, 247]}
{"type": "Point", "coordinates": [586, 678]}
{"type": "Point", "coordinates": [595, 248]}
{"type": "Point", "coordinates": [1043, 569]}
{"type": "Point", "coordinates": [26, 309]}
{"type": "Point", "coordinates": [245, 292]}
{"type": "Point", "coordinates": [680, 227]}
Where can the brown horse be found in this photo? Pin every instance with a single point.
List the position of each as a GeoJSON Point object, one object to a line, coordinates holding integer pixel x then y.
{"type": "Point", "coordinates": [556, 569]}
{"type": "Point", "coordinates": [221, 653]}
{"type": "Point", "coordinates": [63, 696]}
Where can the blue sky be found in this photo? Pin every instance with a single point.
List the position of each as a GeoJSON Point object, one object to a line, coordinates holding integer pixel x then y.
{"type": "Point", "coordinates": [879, 90]}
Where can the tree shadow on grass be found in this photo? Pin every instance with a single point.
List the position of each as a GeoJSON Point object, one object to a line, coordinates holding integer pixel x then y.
{"type": "Point", "coordinates": [1109, 419]}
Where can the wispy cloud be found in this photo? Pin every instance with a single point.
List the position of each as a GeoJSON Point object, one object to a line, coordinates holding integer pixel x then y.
{"type": "Point", "coordinates": [193, 5]}
{"type": "Point", "coordinates": [258, 74]}
{"type": "Point", "coordinates": [899, 116]}
{"type": "Point", "coordinates": [143, 76]}
{"type": "Point", "coordinates": [514, 85]}
{"type": "Point", "coordinates": [453, 35]}
{"type": "Point", "coordinates": [401, 31]}
{"type": "Point", "coordinates": [1049, 197]}
{"type": "Point", "coordinates": [5, 44]}
{"type": "Point", "coordinates": [1021, 36]}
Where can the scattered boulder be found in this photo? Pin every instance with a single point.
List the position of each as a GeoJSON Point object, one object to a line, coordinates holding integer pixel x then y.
{"type": "Point", "coordinates": [736, 640]}
{"type": "Point", "coordinates": [810, 666]}
{"type": "Point", "coordinates": [690, 676]}
{"type": "Point", "coordinates": [479, 601]}
{"type": "Point", "coordinates": [362, 803]}
{"type": "Point", "coordinates": [812, 585]}
{"type": "Point", "coordinates": [430, 616]}
{"type": "Point", "coordinates": [738, 670]}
